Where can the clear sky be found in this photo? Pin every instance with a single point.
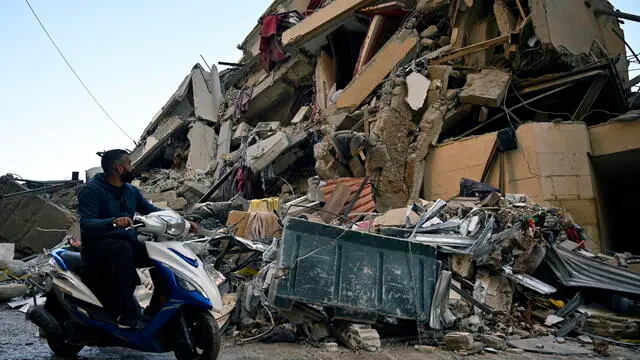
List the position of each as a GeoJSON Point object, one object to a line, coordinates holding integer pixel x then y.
{"type": "Point", "coordinates": [131, 54]}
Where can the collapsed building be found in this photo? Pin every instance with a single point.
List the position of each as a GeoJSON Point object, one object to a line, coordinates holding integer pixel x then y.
{"type": "Point", "coordinates": [342, 116]}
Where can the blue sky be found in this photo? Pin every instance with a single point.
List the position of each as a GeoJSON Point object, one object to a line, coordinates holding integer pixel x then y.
{"type": "Point", "coordinates": [131, 54]}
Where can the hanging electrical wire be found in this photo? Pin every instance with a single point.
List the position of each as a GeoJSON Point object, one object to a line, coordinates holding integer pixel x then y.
{"type": "Point", "coordinates": [76, 74]}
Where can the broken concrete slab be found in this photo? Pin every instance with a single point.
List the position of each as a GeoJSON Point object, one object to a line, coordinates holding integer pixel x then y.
{"type": "Point", "coordinates": [358, 336]}
{"type": "Point", "coordinates": [154, 143]}
{"type": "Point", "coordinates": [499, 293]}
{"type": "Point", "coordinates": [417, 88]}
{"type": "Point", "coordinates": [458, 341]}
{"type": "Point", "coordinates": [461, 264]}
{"type": "Point", "coordinates": [387, 160]}
{"type": "Point", "coordinates": [324, 78]}
{"type": "Point", "coordinates": [207, 92]}
{"type": "Point", "coordinates": [10, 291]}
{"type": "Point", "coordinates": [488, 87]}
{"type": "Point", "coordinates": [266, 128]}
{"type": "Point", "coordinates": [205, 88]}
{"type": "Point", "coordinates": [170, 198]}
{"type": "Point", "coordinates": [342, 120]}
{"type": "Point", "coordinates": [321, 21]}
{"type": "Point", "coordinates": [429, 32]}
{"type": "Point", "coordinates": [263, 153]}
{"type": "Point", "coordinates": [278, 86]}
{"type": "Point", "coordinates": [301, 115]}
{"type": "Point", "coordinates": [203, 147]}
{"type": "Point", "coordinates": [224, 138]}
{"type": "Point", "coordinates": [25, 218]}
{"type": "Point", "coordinates": [548, 345]}
{"type": "Point", "coordinates": [377, 69]}
{"type": "Point", "coordinates": [7, 251]}
{"type": "Point", "coordinates": [242, 131]}
{"type": "Point", "coordinates": [396, 217]}
{"type": "Point", "coordinates": [493, 341]}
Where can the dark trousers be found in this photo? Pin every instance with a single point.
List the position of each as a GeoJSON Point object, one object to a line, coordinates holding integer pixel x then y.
{"type": "Point", "coordinates": [112, 264]}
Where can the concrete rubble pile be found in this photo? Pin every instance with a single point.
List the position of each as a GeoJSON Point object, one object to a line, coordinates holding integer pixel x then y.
{"type": "Point", "coordinates": [307, 162]}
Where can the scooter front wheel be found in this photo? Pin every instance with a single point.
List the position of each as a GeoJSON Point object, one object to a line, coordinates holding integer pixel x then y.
{"type": "Point", "coordinates": [204, 337]}
{"type": "Point", "coordinates": [63, 348]}
{"type": "Point", "coordinates": [56, 343]}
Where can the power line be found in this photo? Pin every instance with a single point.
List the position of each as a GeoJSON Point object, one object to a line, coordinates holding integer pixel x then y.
{"type": "Point", "coordinates": [76, 74]}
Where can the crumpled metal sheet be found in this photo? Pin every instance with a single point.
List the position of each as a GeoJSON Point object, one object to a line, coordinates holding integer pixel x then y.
{"type": "Point", "coordinates": [440, 300]}
{"type": "Point", "coordinates": [529, 281]}
{"type": "Point", "coordinates": [573, 269]}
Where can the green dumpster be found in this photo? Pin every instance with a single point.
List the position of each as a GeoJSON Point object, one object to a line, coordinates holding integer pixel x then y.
{"type": "Point", "coordinates": [354, 275]}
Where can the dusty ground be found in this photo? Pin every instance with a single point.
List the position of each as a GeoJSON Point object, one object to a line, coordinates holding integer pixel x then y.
{"type": "Point", "coordinates": [18, 341]}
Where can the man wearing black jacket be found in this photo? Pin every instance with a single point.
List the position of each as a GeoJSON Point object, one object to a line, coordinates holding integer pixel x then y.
{"type": "Point", "coordinates": [107, 205]}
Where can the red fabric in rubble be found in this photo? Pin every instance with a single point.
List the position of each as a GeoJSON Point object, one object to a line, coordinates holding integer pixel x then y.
{"type": "Point", "coordinates": [270, 48]}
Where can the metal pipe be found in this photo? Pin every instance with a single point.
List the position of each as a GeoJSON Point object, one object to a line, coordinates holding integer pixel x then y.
{"type": "Point", "coordinates": [38, 191]}
{"type": "Point", "coordinates": [230, 64]}
{"type": "Point", "coordinates": [617, 13]}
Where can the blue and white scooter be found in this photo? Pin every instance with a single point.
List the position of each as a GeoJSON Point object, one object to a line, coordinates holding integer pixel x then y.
{"type": "Point", "coordinates": [72, 317]}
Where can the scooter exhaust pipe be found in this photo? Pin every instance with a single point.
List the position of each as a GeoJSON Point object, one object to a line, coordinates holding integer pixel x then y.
{"type": "Point", "coordinates": [41, 317]}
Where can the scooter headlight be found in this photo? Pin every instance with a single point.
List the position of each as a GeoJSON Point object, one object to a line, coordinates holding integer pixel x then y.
{"type": "Point", "coordinates": [189, 286]}
{"type": "Point", "coordinates": [175, 226]}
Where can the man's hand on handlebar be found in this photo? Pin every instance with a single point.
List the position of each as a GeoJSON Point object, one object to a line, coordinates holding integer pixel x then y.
{"type": "Point", "coordinates": [123, 222]}
{"type": "Point", "coordinates": [194, 227]}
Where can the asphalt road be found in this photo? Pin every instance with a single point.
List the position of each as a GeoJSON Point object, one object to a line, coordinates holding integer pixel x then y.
{"type": "Point", "coordinates": [19, 341]}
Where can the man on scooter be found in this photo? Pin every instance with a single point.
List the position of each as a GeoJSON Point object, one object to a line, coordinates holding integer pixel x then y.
{"type": "Point", "coordinates": [107, 205]}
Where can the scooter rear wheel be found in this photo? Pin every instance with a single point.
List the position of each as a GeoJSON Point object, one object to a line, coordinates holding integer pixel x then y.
{"type": "Point", "coordinates": [204, 334]}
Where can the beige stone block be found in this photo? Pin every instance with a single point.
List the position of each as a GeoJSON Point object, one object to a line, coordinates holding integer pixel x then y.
{"type": "Point", "coordinates": [563, 164]}
{"type": "Point", "coordinates": [614, 137]}
{"type": "Point", "coordinates": [529, 186]}
{"type": "Point", "coordinates": [565, 187]}
{"type": "Point", "coordinates": [585, 187]}
{"type": "Point", "coordinates": [562, 138]}
{"type": "Point", "coordinates": [546, 185]}
{"type": "Point", "coordinates": [583, 212]}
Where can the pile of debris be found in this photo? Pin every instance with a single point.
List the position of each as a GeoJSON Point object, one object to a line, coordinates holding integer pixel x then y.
{"type": "Point", "coordinates": [299, 160]}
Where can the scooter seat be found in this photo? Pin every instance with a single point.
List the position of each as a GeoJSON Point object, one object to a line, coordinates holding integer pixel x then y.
{"type": "Point", "coordinates": [72, 259]}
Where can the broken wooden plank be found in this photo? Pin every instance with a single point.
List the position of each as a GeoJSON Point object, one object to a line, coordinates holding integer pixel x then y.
{"type": "Point", "coordinates": [439, 76]}
{"type": "Point", "coordinates": [325, 78]}
{"type": "Point", "coordinates": [488, 87]}
{"type": "Point", "coordinates": [589, 98]}
{"type": "Point", "coordinates": [505, 19]}
{"type": "Point", "coordinates": [321, 21]}
{"type": "Point", "coordinates": [561, 81]}
{"type": "Point", "coordinates": [334, 205]}
{"type": "Point", "coordinates": [370, 40]}
{"type": "Point", "coordinates": [524, 16]}
{"type": "Point", "coordinates": [500, 40]}
{"type": "Point", "coordinates": [481, 31]}
{"type": "Point", "coordinates": [378, 68]}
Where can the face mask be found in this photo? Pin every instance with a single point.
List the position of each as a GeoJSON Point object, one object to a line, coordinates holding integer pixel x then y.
{"type": "Point", "coordinates": [128, 177]}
